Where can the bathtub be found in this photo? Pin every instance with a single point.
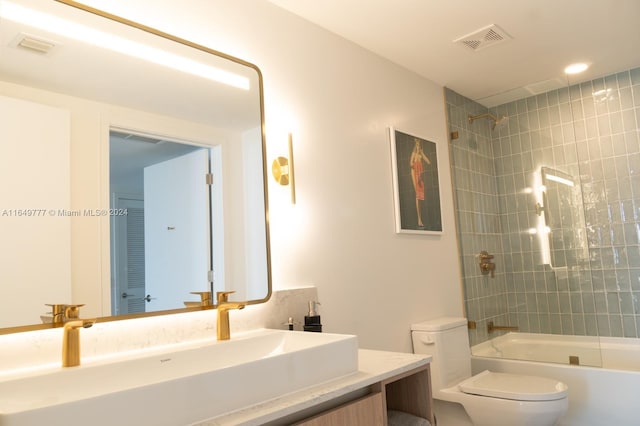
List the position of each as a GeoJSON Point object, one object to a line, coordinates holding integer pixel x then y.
{"type": "Point", "coordinates": [604, 389]}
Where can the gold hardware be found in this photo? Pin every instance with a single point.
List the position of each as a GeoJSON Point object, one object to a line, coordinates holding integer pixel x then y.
{"type": "Point", "coordinates": [282, 170]}
{"type": "Point", "coordinates": [205, 298]}
{"type": "Point", "coordinates": [61, 313]}
{"type": "Point", "coordinates": [224, 306]}
{"type": "Point", "coordinates": [72, 312]}
{"type": "Point", "coordinates": [471, 325]}
{"type": "Point", "coordinates": [574, 360]}
{"type": "Point", "coordinates": [484, 255]}
{"type": "Point", "coordinates": [71, 335]}
{"type": "Point", "coordinates": [486, 265]}
{"type": "Point", "coordinates": [539, 209]}
{"type": "Point", "coordinates": [496, 122]}
{"type": "Point", "coordinates": [454, 135]}
{"type": "Point", "coordinates": [71, 341]}
{"type": "Point", "coordinates": [491, 328]}
{"type": "Point", "coordinates": [57, 313]}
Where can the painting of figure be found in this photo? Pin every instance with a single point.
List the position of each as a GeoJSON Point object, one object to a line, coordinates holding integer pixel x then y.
{"type": "Point", "coordinates": [416, 185]}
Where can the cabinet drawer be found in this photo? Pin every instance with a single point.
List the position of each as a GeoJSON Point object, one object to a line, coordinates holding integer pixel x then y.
{"type": "Point", "coordinates": [367, 411]}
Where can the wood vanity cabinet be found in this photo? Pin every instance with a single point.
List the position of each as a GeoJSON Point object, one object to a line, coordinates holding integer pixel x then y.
{"type": "Point", "coordinates": [368, 410]}
{"type": "Point", "coordinates": [409, 392]}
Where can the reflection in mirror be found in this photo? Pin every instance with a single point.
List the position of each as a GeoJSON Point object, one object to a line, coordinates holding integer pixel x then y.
{"type": "Point", "coordinates": [35, 221]}
{"type": "Point", "coordinates": [560, 220]}
{"type": "Point", "coordinates": [161, 209]}
{"type": "Point", "coordinates": [61, 95]}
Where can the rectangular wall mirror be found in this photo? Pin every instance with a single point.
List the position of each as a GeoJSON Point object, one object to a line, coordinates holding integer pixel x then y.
{"type": "Point", "coordinates": [132, 165]}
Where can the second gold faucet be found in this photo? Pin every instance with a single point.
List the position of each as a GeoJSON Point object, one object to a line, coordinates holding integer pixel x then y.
{"type": "Point", "coordinates": [223, 308]}
{"type": "Point", "coordinates": [71, 335]}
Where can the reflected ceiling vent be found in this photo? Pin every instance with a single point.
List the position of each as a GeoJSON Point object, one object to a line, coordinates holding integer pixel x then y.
{"type": "Point", "coordinates": [135, 138]}
{"type": "Point", "coordinates": [34, 44]}
{"type": "Point", "coordinates": [483, 38]}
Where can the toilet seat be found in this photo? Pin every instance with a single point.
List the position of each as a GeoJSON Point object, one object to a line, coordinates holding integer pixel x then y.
{"type": "Point", "coordinates": [514, 387]}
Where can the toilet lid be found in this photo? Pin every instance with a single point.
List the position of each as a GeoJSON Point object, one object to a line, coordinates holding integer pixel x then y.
{"type": "Point", "coordinates": [514, 386]}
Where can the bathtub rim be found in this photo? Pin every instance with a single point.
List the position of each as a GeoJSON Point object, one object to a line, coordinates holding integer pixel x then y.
{"type": "Point", "coordinates": [606, 345]}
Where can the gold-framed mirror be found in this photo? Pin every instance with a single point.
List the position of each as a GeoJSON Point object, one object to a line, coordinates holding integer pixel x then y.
{"type": "Point", "coordinates": [82, 92]}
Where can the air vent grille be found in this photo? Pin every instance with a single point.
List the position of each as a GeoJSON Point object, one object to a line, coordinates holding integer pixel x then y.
{"type": "Point", "coordinates": [136, 138]}
{"type": "Point", "coordinates": [35, 44]}
{"type": "Point", "coordinates": [492, 35]}
{"type": "Point", "coordinates": [473, 44]}
{"type": "Point", "coordinates": [483, 38]}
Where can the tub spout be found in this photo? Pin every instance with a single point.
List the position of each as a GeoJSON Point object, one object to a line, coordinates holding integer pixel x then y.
{"type": "Point", "coordinates": [491, 328]}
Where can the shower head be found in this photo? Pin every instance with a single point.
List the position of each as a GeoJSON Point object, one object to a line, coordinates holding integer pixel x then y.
{"type": "Point", "coordinates": [497, 123]}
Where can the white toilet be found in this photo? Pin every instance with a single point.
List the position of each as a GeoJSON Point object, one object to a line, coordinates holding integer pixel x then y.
{"type": "Point", "coordinates": [490, 399]}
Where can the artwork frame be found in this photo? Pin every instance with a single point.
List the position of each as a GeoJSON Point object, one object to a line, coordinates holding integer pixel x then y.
{"type": "Point", "coordinates": [416, 184]}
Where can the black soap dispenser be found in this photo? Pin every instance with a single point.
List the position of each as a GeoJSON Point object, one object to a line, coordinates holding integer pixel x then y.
{"type": "Point", "coordinates": [312, 320]}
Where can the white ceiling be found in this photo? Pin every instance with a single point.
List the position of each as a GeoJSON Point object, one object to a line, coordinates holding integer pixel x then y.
{"type": "Point", "coordinates": [546, 36]}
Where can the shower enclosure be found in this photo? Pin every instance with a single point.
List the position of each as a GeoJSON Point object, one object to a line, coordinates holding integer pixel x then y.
{"type": "Point", "coordinates": [553, 194]}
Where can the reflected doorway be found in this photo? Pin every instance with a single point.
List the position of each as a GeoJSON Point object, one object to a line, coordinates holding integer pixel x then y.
{"type": "Point", "coordinates": [160, 220]}
{"type": "Point", "coordinates": [128, 254]}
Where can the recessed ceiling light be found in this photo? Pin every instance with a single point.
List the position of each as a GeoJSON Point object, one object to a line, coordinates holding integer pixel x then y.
{"type": "Point", "coordinates": [576, 68]}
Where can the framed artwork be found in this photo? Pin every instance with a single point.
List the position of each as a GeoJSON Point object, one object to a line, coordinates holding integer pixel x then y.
{"type": "Point", "coordinates": [416, 187]}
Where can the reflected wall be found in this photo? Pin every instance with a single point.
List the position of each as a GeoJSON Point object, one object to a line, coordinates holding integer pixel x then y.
{"type": "Point", "coordinates": [588, 131]}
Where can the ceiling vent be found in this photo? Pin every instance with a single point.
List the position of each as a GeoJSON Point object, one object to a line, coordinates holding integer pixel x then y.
{"type": "Point", "coordinates": [483, 38]}
{"type": "Point", "coordinates": [136, 138]}
{"type": "Point", "coordinates": [34, 44]}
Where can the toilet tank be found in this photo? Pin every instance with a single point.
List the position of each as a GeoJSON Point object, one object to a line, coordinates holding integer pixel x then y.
{"type": "Point", "coordinates": [447, 341]}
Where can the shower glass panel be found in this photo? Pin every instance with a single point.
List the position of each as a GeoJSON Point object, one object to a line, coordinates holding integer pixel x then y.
{"type": "Point", "coordinates": [554, 196]}
{"type": "Point", "coordinates": [560, 220]}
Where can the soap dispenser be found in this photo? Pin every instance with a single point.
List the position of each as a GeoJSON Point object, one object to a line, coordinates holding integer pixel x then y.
{"type": "Point", "coordinates": [312, 319]}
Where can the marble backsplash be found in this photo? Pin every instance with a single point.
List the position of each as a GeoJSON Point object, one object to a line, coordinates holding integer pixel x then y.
{"type": "Point", "coordinates": [43, 348]}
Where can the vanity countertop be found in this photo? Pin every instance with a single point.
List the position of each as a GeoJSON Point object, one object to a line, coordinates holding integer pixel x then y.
{"type": "Point", "coordinates": [373, 367]}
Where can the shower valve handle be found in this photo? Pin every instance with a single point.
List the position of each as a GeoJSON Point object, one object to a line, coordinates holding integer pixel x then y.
{"type": "Point", "coordinates": [486, 266]}
{"type": "Point", "coordinates": [485, 255]}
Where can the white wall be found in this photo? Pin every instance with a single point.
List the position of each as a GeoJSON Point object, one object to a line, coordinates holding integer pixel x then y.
{"type": "Point", "coordinates": [337, 99]}
{"type": "Point", "coordinates": [35, 258]}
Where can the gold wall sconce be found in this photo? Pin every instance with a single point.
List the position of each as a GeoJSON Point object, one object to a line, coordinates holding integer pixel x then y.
{"type": "Point", "coordinates": [283, 170]}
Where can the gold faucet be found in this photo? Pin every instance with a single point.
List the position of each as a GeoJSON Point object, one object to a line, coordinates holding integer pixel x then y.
{"type": "Point", "coordinates": [71, 336]}
{"type": "Point", "coordinates": [224, 306]}
{"type": "Point", "coordinates": [57, 313]}
{"type": "Point", "coordinates": [205, 298]}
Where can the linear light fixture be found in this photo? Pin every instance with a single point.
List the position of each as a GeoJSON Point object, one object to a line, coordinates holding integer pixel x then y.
{"type": "Point", "coordinates": [559, 179]}
{"type": "Point", "coordinates": [118, 44]}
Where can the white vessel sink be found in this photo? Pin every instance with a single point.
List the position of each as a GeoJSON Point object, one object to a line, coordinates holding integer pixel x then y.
{"type": "Point", "coordinates": [180, 387]}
